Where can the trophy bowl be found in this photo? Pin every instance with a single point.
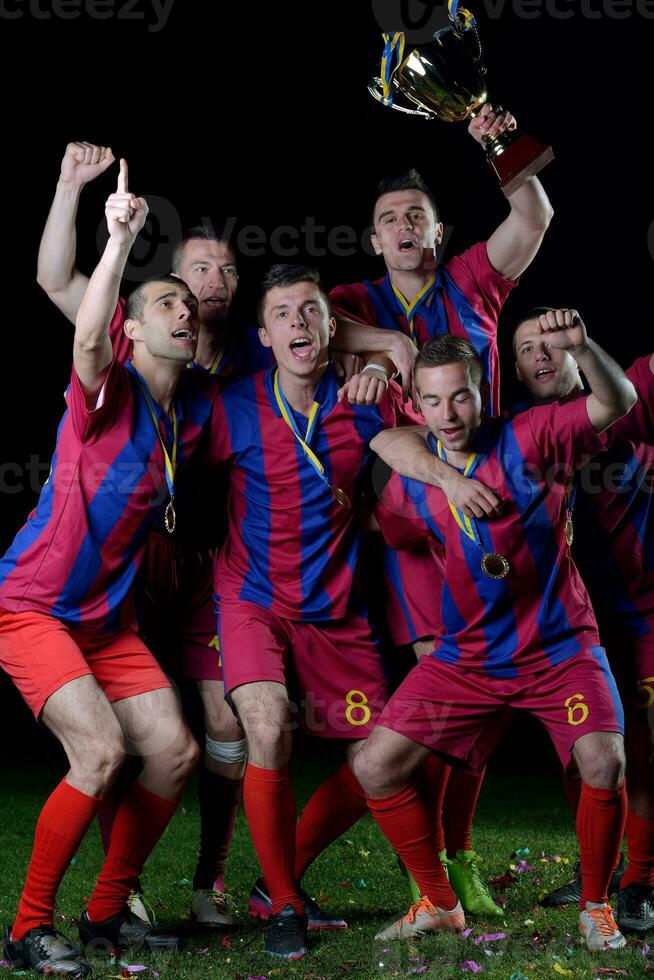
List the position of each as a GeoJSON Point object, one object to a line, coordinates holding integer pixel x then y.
{"type": "Point", "coordinates": [445, 78]}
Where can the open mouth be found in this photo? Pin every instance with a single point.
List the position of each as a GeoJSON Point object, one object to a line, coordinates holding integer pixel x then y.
{"type": "Point", "coordinates": [452, 433]}
{"type": "Point", "coordinates": [543, 373]}
{"type": "Point", "coordinates": [183, 334]}
{"type": "Point", "coordinates": [407, 245]}
{"type": "Point", "coordinates": [216, 301]}
{"type": "Point", "coordinates": [302, 348]}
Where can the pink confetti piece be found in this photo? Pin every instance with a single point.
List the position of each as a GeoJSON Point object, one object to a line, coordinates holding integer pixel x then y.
{"type": "Point", "coordinates": [472, 966]}
{"type": "Point", "coordinates": [523, 868]}
{"type": "Point", "coordinates": [6, 964]}
{"type": "Point", "coordinates": [136, 968]}
{"type": "Point", "coordinates": [645, 950]}
{"type": "Point", "coordinates": [257, 978]}
{"type": "Point", "coordinates": [490, 937]}
{"type": "Point", "coordinates": [468, 932]}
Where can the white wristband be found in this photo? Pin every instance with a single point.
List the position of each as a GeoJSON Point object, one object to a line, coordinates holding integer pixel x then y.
{"type": "Point", "coordinates": [377, 367]}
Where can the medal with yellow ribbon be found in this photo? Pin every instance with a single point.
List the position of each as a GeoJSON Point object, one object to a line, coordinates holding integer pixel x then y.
{"type": "Point", "coordinates": [393, 51]}
{"type": "Point", "coordinates": [409, 309]}
{"type": "Point", "coordinates": [493, 564]}
{"type": "Point", "coordinates": [287, 414]}
{"type": "Point", "coordinates": [170, 519]}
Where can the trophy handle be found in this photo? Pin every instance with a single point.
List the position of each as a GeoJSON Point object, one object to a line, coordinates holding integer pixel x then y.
{"type": "Point", "coordinates": [376, 90]}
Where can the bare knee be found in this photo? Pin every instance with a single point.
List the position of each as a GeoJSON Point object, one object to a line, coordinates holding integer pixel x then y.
{"type": "Point", "coordinates": [374, 771]}
{"type": "Point", "coordinates": [265, 715]}
{"type": "Point", "coordinates": [600, 759]}
{"type": "Point", "coordinates": [95, 764]}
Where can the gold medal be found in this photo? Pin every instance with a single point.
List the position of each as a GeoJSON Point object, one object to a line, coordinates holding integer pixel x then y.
{"type": "Point", "coordinates": [341, 497]}
{"type": "Point", "coordinates": [569, 530]}
{"type": "Point", "coordinates": [169, 517]}
{"type": "Point", "coordinates": [494, 565]}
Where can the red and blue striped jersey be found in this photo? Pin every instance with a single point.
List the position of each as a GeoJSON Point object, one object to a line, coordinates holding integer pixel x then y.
{"type": "Point", "coordinates": [614, 516]}
{"type": "Point", "coordinates": [540, 613]}
{"type": "Point", "coordinates": [466, 302]}
{"type": "Point", "coordinates": [78, 555]}
{"type": "Point", "coordinates": [291, 547]}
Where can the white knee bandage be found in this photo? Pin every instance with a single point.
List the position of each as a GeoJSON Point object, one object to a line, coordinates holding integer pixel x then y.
{"type": "Point", "coordinates": [227, 752]}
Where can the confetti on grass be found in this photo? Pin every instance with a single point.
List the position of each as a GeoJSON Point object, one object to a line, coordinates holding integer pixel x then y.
{"type": "Point", "coordinates": [490, 937]}
{"type": "Point", "coordinates": [472, 966]}
{"type": "Point", "coordinates": [560, 969]}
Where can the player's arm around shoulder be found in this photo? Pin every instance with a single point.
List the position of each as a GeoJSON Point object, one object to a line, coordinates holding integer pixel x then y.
{"type": "Point", "coordinates": [92, 349]}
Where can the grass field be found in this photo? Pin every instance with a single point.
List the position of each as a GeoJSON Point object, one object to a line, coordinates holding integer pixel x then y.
{"type": "Point", "coordinates": [357, 877]}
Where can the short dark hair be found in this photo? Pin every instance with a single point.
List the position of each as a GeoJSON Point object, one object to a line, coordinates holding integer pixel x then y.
{"type": "Point", "coordinates": [285, 274]}
{"type": "Point", "coordinates": [407, 180]}
{"type": "Point", "coordinates": [136, 300]}
{"type": "Point", "coordinates": [200, 233]}
{"type": "Point", "coordinates": [447, 349]}
{"type": "Point", "coordinates": [531, 314]}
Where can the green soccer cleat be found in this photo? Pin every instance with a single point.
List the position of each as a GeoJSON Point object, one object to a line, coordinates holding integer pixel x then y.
{"type": "Point", "coordinates": [465, 879]}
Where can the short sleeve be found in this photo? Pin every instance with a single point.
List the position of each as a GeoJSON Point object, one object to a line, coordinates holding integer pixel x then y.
{"type": "Point", "coordinates": [92, 421]}
{"type": "Point", "coordinates": [354, 302]}
{"type": "Point", "coordinates": [120, 343]}
{"type": "Point", "coordinates": [402, 511]}
{"type": "Point", "coordinates": [561, 436]}
{"type": "Point", "coordinates": [638, 424]}
{"type": "Point", "coordinates": [482, 285]}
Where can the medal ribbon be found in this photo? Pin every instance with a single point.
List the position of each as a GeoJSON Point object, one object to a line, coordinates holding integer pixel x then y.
{"type": "Point", "coordinates": [409, 309]}
{"type": "Point", "coordinates": [217, 362]}
{"type": "Point", "coordinates": [171, 460]}
{"type": "Point", "coordinates": [393, 49]}
{"type": "Point", "coordinates": [287, 415]}
{"type": "Point", "coordinates": [468, 525]}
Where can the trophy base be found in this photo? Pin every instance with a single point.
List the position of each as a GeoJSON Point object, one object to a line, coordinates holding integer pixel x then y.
{"type": "Point", "coordinates": [517, 159]}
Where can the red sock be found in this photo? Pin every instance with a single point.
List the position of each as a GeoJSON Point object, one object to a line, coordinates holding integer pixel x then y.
{"type": "Point", "coordinates": [640, 844]}
{"type": "Point", "coordinates": [106, 816]}
{"type": "Point", "coordinates": [431, 781]}
{"type": "Point", "coordinates": [141, 820]}
{"type": "Point", "coordinates": [220, 799]}
{"type": "Point", "coordinates": [459, 808]}
{"type": "Point", "coordinates": [270, 810]}
{"type": "Point", "coordinates": [335, 806]}
{"type": "Point", "coordinates": [572, 790]}
{"type": "Point", "coordinates": [404, 820]}
{"type": "Point", "coordinates": [600, 825]}
{"type": "Point", "coordinates": [63, 821]}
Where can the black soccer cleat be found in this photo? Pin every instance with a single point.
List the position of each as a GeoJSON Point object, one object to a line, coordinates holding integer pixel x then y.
{"type": "Point", "coordinates": [46, 951]}
{"type": "Point", "coordinates": [570, 893]}
{"type": "Point", "coordinates": [125, 931]}
{"type": "Point", "coordinates": [260, 905]}
{"type": "Point", "coordinates": [636, 908]}
{"type": "Point", "coordinates": [286, 935]}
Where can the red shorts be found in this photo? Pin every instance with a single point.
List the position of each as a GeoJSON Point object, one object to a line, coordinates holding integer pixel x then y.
{"type": "Point", "coordinates": [632, 661]}
{"type": "Point", "coordinates": [462, 714]}
{"type": "Point", "coordinates": [335, 666]}
{"type": "Point", "coordinates": [178, 618]}
{"type": "Point", "coordinates": [413, 594]}
{"type": "Point", "coordinates": [41, 654]}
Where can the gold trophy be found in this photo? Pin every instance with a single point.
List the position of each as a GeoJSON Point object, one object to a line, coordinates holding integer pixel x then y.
{"type": "Point", "coordinates": [446, 79]}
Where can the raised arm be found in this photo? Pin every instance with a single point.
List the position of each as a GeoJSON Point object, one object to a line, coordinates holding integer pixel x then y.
{"type": "Point", "coordinates": [405, 451]}
{"type": "Point", "coordinates": [391, 349]}
{"type": "Point", "coordinates": [92, 350]}
{"type": "Point", "coordinates": [612, 393]}
{"type": "Point", "coordinates": [513, 245]}
{"type": "Point", "coordinates": [57, 273]}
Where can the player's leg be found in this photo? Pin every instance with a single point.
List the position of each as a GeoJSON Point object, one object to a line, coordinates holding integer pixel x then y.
{"type": "Point", "coordinates": [635, 908]}
{"type": "Point", "coordinates": [148, 713]}
{"type": "Point", "coordinates": [220, 790]}
{"type": "Point", "coordinates": [578, 702]}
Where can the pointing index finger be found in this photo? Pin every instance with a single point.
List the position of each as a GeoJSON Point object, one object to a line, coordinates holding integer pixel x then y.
{"type": "Point", "coordinates": [122, 177]}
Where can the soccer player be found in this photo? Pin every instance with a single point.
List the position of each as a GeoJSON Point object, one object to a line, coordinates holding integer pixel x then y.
{"type": "Point", "coordinates": [518, 629]}
{"type": "Point", "coordinates": [287, 616]}
{"type": "Point", "coordinates": [422, 298]}
{"type": "Point", "coordinates": [67, 600]}
{"type": "Point", "coordinates": [612, 545]}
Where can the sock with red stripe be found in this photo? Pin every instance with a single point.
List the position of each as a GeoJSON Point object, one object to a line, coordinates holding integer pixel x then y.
{"type": "Point", "coordinates": [220, 799]}
{"type": "Point", "coordinates": [640, 844]}
{"type": "Point", "coordinates": [431, 781]}
{"type": "Point", "coordinates": [459, 808]}
{"type": "Point", "coordinates": [600, 825]}
{"type": "Point", "coordinates": [141, 820]}
{"type": "Point", "coordinates": [405, 822]}
{"type": "Point", "coordinates": [61, 826]}
{"type": "Point", "coordinates": [334, 807]}
{"type": "Point", "coordinates": [270, 810]}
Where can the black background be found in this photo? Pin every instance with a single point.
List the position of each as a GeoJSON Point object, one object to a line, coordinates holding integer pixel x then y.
{"type": "Point", "coordinates": [259, 112]}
